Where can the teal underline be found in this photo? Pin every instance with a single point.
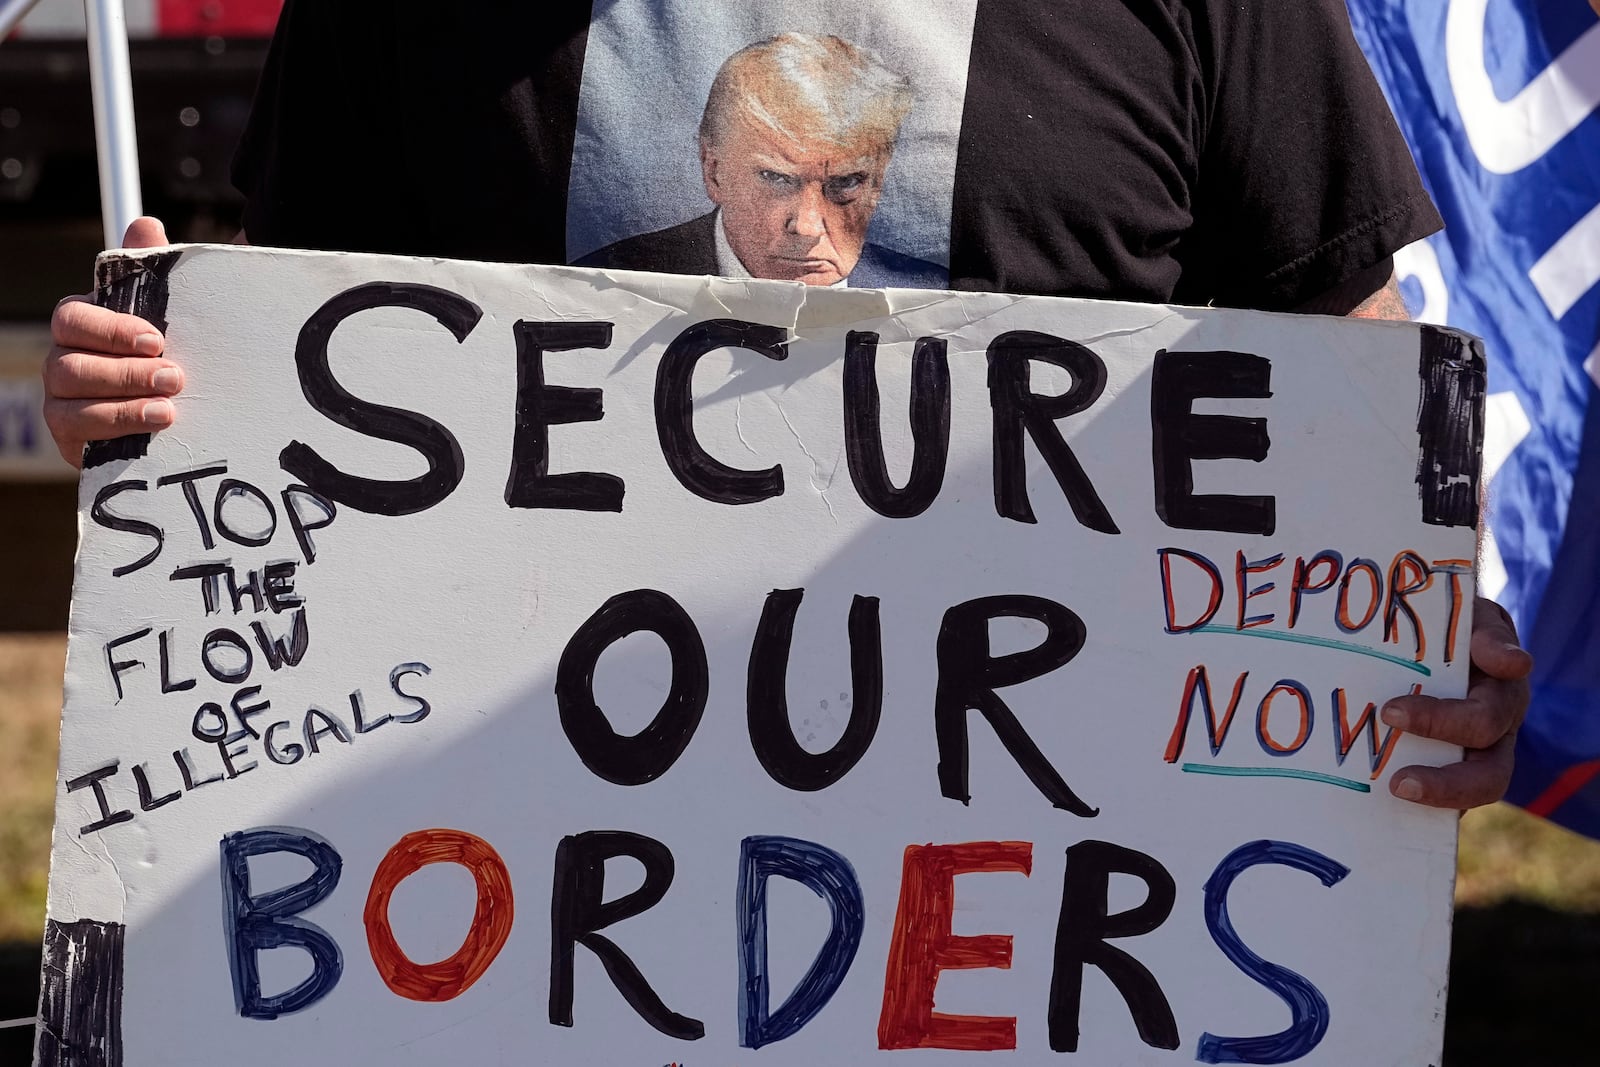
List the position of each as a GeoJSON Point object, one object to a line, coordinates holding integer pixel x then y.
{"type": "Point", "coordinates": [1276, 772]}
{"type": "Point", "coordinates": [1319, 642]}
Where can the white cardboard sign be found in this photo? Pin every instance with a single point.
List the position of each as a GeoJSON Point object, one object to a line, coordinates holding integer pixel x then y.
{"type": "Point", "coordinates": [526, 664]}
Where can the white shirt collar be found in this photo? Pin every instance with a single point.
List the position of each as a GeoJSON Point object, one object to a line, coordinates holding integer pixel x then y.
{"type": "Point", "coordinates": [728, 265]}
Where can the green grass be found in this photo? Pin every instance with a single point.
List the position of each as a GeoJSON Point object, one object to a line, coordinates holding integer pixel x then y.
{"type": "Point", "coordinates": [1507, 854]}
{"type": "Point", "coordinates": [30, 710]}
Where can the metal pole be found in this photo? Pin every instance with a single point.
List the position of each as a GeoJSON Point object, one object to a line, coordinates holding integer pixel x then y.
{"type": "Point", "coordinates": [115, 142]}
{"type": "Point", "coordinates": [12, 12]}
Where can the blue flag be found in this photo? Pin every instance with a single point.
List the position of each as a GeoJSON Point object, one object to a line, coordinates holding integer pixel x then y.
{"type": "Point", "coordinates": [1500, 102]}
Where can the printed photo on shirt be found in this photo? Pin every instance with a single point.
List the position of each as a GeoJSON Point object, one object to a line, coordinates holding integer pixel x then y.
{"type": "Point", "coordinates": [802, 142]}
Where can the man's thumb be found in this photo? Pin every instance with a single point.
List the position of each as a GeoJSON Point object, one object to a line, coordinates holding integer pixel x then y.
{"type": "Point", "coordinates": [145, 232]}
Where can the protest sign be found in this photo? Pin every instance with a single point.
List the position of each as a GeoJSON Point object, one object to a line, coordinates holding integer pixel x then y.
{"type": "Point", "coordinates": [531, 664]}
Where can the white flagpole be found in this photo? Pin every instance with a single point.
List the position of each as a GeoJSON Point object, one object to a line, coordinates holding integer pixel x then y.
{"type": "Point", "coordinates": [116, 146]}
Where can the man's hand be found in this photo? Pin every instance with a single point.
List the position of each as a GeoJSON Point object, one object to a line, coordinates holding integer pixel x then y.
{"type": "Point", "coordinates": [1484, 723]}
{"type": "Point", "coordinates": [104, 376]}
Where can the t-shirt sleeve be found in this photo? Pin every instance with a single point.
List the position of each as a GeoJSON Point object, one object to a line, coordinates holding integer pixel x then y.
{"type": "Point", "coordinates": [1303, 179]}
{"type": "Point", "coordinates": [318, 161]}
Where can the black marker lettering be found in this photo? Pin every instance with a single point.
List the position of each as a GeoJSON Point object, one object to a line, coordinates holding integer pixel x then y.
{"type": "Point", "coordinates": [286, 756]}
{"type": "Point", "coordinates": [694, 468]}
{"type": "Point", "coordinates": [148, 801]}
{"type": "Point", "coordinates": [220, 670]}
{"type": "Point", "coordinates": [117, 666]}
{"type": "Point", "coordinates": [969, 676]}
{"type": "Point", "coordinates": [277, 585]}
{"type": "Point", "coordinates": [95, 780]}
{"type": "Point", "coordinates": [930, 426]}
{"type": "Point", "coordinates": [578, 910]}
{"type": "Point", "coordinates": [541, 406]}
{"type": "Point", "coordinates": [1084, 930]}
{"type": "Point", "coordinates": [293, 497]}
{"type": "Point", "coordinates": [251, 588]}
{"type": "Point", "coordinates": [167, 684]}
{"type": "Point", "coordinates": [331, 727]}
{"type": "Point", "coordinates": [278, 652]}
{"type": "Point", "coordinates": [210, 723]}
{"type": "Point", "coordinates": [208, 575]}
{"type": "Point", "coordinates": [358, 711]}
{"type": "Point", "coordinates": [185, 480]}
{"type": "Point", "coordinates": [101, 513]}
{"type": "Point", "coordinates": [767, 706]}
{"type": "Point", "coordinates": [186, 771]}
{"type": "Point", "coordinates": [436, 444]}
{"type": "Point", "coordinates": [230, 754]}
{"type": "Point", "coordinates": [1019, 411]}
{"type": "Point", "coordinates": [422, 706]}
{"type": "Point", "coordinates": [244, 712]}
{"type": "Point", "coordinates": [227, 490]}
{"type": "Point", "coordinates": [1180, 437]}
{"type": "Point", "coordinates": [648, 754]}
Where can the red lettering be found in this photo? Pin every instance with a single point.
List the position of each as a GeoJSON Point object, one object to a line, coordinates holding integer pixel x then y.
{"type": "Point", "coordinates": [1243, 569]}
{"type": "Point", "coordinates": [1302, 582]}
{"type": "Point", "coordinates": [923, 946]}
{"type": "Point", "coordinates": [1455, 568]}
{"type": "Point", "coordinates": [1211, 571]}
{"type": "Point", "coordinates": [1342, 615]}
{"type": "Point", "coordinates": [1407, 574]}
{"type": "Point", "coordinates": [1378, 754]}
{"type": "Point", "coordinates": [491, 921]}
{"type": "Point", "coordinates": [1199, 685]}
{"type": "Point", "coordinates": [1264, 716]}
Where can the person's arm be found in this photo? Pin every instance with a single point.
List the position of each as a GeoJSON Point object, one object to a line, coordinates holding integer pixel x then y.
{"type": "Point", "coordinates": [1370, 294]}
{"type": "Point", "coordinates": [105, 375]}
{"type": "Point", "coordinates": [1485, 721]}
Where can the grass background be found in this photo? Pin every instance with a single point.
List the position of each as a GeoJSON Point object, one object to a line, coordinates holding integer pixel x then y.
{"type": "Point", "coordinates": [30, 710]}
{"type": "Point", "coordinates": [1524, 975]}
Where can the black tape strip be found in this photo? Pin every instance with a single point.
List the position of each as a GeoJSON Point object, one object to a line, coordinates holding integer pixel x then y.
{"type": "Point", "coordinates": [1450, 426]}
{"type": "Point", "coordinates": [137, 286]}
{"type": "Point", "coordinates": [80, 995]}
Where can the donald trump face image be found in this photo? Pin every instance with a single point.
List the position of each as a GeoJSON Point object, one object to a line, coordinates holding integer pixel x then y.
{"type": "Point", "coordinates": [796, 137]}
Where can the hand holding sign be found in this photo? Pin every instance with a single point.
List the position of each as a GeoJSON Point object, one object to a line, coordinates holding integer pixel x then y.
{"type": "Point", "coordinates": [1485, 723]}
{"type": "Point", "coordinates": [104, 376]}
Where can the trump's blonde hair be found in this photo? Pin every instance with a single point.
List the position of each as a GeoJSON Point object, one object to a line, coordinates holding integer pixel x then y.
{"type": "Point", "coordinates": [823, 84]}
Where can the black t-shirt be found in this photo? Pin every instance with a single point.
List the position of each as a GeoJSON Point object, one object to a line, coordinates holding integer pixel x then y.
{"type": "Point", "coordinates": [1235, 152]}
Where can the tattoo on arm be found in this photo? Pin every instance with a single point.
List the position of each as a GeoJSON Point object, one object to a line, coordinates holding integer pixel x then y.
{"type": "Point", "coordinates": [1383, 304]}
{"type": "Point", "coordinates": [1372, 294]}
